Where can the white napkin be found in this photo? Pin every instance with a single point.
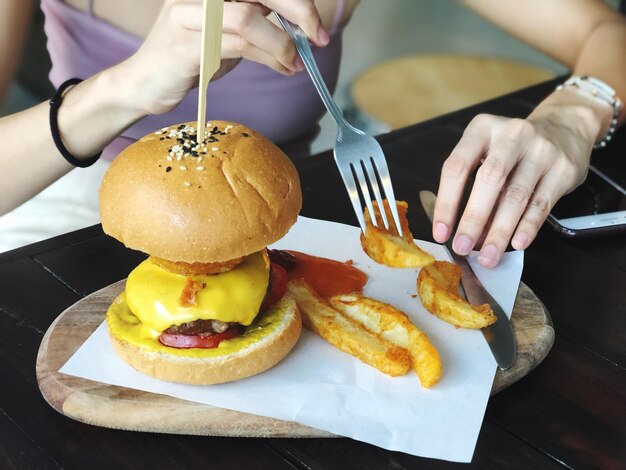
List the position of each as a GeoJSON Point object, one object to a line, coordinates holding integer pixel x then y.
{"type": "Point", "coordinates": [320, 386]}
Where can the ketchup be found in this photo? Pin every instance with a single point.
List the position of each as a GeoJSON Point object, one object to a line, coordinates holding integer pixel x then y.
{"type": "Point", "coordinates": [326, 276]}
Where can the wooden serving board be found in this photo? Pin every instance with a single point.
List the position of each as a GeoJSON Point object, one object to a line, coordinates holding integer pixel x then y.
{"type": "Point", "coordinates": [122, 408]}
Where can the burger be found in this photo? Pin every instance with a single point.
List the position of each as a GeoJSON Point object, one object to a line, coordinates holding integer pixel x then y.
{"type": "Point", "coordinates": [206, 306]}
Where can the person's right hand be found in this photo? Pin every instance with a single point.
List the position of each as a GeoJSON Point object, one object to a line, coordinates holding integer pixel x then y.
{"type": "Point", "coordinates": [167, 65]}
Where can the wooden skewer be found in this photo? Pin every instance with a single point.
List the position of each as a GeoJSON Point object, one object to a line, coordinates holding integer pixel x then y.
{"type": "Point", "coordinates": [213, 13]}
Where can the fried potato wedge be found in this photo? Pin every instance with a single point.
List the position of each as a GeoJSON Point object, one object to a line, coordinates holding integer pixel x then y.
{"type": "Point", "coordinates": [345, 334]}
{"type": "Point", "coordinates": [386, 246]}
{"type": "Point", "coordinates": [437, 287]}
{"type": "Point", "coordinates": [394, 326]}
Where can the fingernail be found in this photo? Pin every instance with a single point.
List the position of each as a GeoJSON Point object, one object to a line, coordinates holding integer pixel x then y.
{"type": "Point", "coordinates": [322, 36]}
{"type": "Point", "coordinates": [489, 256]}
{"type": "Point", "coordinates": [463, 244]}
{"type": "Point", "coordinates": [520, 241]}
{"type": "Point", "coordinates": [441, 232]}
{"type": "Point", "coordinates": [298, 64]}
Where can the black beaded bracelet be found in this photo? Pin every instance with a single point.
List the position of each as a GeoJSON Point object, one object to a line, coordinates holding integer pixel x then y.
{"type": "Point", "coordinates": [55, 104]}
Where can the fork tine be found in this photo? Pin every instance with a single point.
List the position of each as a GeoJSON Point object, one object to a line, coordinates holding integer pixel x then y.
{"type": "Point", "coordinates": [360, 177]}
{"type": "Point", "coordinates": [371, 175]}
{"type": "Point", "coordinates": [348, 180]}
{"type": "Point", "coordinates": [385, 178]}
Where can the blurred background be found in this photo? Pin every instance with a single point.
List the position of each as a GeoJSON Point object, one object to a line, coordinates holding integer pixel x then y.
{"type": "Point", "coordinates": [378, 32]}
{"type": "Point", "coordinates": [383, 30]}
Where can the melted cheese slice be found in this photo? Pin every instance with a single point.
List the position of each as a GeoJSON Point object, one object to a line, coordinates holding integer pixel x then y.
{"type": "Point", "coordinates": [126, 327]}
{"type": "Point", "coordinates": [153, 294]}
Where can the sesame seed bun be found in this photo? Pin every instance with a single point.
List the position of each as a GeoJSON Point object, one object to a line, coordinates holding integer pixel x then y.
{"type": "Point", "coordinates": [180, 204]}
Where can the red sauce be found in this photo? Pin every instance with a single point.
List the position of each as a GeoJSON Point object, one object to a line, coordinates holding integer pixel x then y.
{"type": "Point", "coordinates": [326, 276]}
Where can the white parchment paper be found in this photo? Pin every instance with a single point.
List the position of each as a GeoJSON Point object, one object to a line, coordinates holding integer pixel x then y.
{"type": "Point", "coordinates": [319, 386]}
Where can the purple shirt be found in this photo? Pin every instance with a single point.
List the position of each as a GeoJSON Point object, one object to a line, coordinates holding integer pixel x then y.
{"type": "Point", "coordinates": [285, 109]}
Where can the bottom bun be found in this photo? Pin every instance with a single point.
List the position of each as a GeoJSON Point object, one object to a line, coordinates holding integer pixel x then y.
{"type": "Point", "coordinates": [270, 342]}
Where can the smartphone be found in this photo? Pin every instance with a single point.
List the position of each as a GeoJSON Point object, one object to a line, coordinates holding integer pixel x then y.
{"type": "Point", "coordinates": [596, 207]}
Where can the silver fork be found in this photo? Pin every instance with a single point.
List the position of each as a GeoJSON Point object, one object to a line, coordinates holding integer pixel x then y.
{"type": "Point", "coordinates": [359, 157]}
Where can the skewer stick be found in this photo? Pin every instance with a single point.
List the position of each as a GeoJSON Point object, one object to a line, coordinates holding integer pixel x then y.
{"type": "Point", "coordinates": [213, 13]}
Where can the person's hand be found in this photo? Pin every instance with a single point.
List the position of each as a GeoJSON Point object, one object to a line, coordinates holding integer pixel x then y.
{"type": "Point", "coordinates": [524, 167]}
{"type": "Point", "coordinates": [167, 65]}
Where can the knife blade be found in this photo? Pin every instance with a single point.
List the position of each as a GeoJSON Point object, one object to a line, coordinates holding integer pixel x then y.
{"type": "Point", "coordinates": [499, 335]}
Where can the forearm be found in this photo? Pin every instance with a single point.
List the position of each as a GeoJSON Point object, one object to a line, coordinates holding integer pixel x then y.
{"type": "Point", "coordinates": [585, 35]}
{"type": "Point", "coordinates": [92, 114]}
{"type": "Point", "coordinates": [604, 56]}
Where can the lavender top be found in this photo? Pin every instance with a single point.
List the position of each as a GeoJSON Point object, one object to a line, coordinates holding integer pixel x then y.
{"type": "Point", "coordinates": [284, 109]}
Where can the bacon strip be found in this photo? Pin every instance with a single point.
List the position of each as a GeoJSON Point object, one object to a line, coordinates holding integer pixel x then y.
{"type": "Point", "coordinates": [188, 295]}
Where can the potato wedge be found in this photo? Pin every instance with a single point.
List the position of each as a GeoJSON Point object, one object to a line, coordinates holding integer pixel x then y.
{"type": "Point", "coordinates": [437, 287]}
{"type": "Point", "coordinates": [345, 334]}
{"type": "Point", "coordinates": [394, 326]}
{"type": "Point", "coordinates": [387, 247]}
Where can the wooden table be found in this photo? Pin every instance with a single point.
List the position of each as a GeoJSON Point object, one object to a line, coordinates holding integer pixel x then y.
{"type": "Point", "coordinates": [568, 413]}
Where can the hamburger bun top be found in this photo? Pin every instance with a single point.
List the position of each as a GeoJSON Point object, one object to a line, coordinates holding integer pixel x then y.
{"type": "Point", "coordinates": [168, 197]}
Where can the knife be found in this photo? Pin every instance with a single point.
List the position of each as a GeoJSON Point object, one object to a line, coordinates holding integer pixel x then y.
{"type": "Point", "coordinates": [499, 335]}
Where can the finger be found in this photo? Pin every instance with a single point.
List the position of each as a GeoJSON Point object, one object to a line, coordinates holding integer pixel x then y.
{"type": "Point", "coordinates": [235, 47]}
{"type": "Point", "coordinates": [304, 14]}
{"type": "Point", "coordinates": [249, 22]}
{"type": "Point", "coordinates": [483, 235]}
{"type": "Point", "coordinates": [188, 15]}
{"type": "Point", "coordinates": [455, 172]}
{"type": "Point", "coordinates": [548, 191]}
{"type": "Point", "coordinates": [506, 151]}
{"type": "Point", "coordinates": [510, 207]}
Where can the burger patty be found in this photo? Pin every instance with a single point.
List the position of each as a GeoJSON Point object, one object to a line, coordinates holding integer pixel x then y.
{"type": "Point", "coordinates": [198, 327]}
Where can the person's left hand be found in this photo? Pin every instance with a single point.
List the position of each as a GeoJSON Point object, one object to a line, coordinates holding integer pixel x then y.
{"type": "Point", "coordinates": [525, 166]}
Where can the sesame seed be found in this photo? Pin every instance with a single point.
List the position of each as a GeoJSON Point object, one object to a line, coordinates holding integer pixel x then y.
{"type": "Point", "coordinates": [229, 127]}
{"type": "Point", "coordinates": [169, 159]}
{"type": "Point", "coordinates": [199, 168]}
{"type": "Point", "coordinates": [187, 183]}
{"type": "Point", "coordinates": [214, 149]}
{"type": "Point", "coordinates": [199, 159]}
{"type": "Point", "coordinates": [183, 167]}
{"type": "Point", "coordinates": [179, 157]}
{"type": "Point", "coordinates": [159, 132]}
